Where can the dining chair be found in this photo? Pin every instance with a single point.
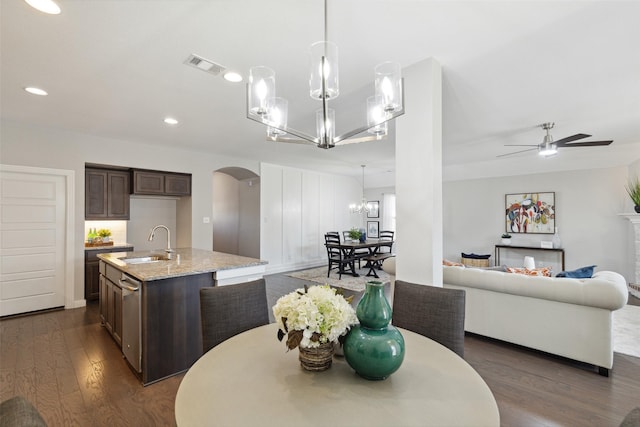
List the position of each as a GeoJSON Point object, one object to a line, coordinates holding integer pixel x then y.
{"type": "Point", "coordinates": [228, 310]}
{"type": "Point", "coordinates": [386, 235]}
{"type": "Point", "coordinates": [337, 257]}
{"type": "Point", "coordinates": [434, 312]}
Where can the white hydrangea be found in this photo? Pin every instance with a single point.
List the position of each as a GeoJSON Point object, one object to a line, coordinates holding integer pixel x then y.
{"type": "Point", "coordinates": [319, 310]}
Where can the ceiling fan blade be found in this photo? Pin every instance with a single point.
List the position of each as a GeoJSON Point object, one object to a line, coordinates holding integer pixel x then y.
{"type": "Point", "coordinates": [587, 144]}
{"type": "Point", "coordinates": [575, 137]}
{"type": "Point", "coordinates": [520, 145]}
{"type": "Point", "coordinates": [516, 152]}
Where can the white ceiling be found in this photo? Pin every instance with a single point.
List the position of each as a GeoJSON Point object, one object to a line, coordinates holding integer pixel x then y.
{"type": "Point", "coordinates": [114, 68]}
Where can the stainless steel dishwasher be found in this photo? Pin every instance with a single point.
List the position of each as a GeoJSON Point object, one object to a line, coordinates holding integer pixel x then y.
{"type": "Point", "coordinates": [131, 321]}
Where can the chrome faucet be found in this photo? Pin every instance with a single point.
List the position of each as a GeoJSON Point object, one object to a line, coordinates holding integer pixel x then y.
{"type": "Point", "coordinates": [151, 235]}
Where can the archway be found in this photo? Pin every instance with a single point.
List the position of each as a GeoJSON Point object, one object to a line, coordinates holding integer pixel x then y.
{"type": "Point", "coordinates": [236, 212]}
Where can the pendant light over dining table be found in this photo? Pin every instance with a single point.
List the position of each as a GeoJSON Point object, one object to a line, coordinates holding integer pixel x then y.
{"type": "Point", "coordinates": [265, 107]}
{"type": "Point", "coordinates": [364, 206]}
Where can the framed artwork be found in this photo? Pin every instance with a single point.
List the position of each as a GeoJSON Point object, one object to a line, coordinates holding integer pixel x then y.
{"type": "Point", "coordinates": [374, 211]}
{"type": "Point", "coordinates": [530, 213]}
{"type": "Point", "coordinates": [372, 229]}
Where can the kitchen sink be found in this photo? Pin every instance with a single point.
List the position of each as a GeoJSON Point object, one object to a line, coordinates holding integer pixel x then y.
{"type": "Point", "coordinates": [143, 259]}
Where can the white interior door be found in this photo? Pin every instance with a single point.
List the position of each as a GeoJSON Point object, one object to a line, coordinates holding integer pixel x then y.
{"type": "Point", "coordinates": [33, 229]}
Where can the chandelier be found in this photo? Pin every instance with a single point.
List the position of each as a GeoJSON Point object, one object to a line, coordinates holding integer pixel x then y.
{"type": "Point", "coordinates": [264, 107]}
{"type": "Point", "coordinates": [364, 206]}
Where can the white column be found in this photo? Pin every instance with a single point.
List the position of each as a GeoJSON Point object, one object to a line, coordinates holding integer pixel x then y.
{"type": "Point", "coordinates": [635, 220]}
{"type": "Point", "coordinates": [419, 176]}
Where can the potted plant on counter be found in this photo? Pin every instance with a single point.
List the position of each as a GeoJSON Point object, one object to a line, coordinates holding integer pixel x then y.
{"type": "Point", "coordinates": [633, 190]}
{"type": "Point", "coordinates": [105, 233]}
{"type": "Point", "coordinates": [506, 239]}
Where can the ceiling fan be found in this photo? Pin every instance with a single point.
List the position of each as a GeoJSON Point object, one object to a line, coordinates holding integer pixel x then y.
{"type": "Point", "coordinates": [548, 147]}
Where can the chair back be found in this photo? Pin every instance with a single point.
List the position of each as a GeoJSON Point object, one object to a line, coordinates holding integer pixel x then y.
{"type": "Point", "coordinates": [386, 235]}
{"type": "Point", "coordinates": [332, 239]}
{"type": "Point", "coordinates": [228, 310]}
{"type": "Point", "coordinates": [436, 313]}
{"type": "Point", "coordinates": [333, 233]}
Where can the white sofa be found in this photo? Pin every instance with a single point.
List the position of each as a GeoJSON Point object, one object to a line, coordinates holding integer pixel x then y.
{"type": "Point", "coordinates": [572, 318]}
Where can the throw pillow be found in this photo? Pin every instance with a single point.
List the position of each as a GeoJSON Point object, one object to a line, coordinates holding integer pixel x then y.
{"type": "Point", "coordinates": [542, 271]}
{"type": "Point", "coordinates": [451, 263]}
{"type": "Point", "coordinates": [580, 273]}
{"type": "Point", "coordinates": [475, 256]}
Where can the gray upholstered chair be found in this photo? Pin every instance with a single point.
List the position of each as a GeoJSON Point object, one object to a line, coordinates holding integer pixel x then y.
{"type": "Point", "coordinates": [436, 313]}
{"type": "Point", "coordinates": [228, 310]}
{"type": "Point", "coordinates": [632, 419]}
{"type": "Point", "coordinates": [19, 412]}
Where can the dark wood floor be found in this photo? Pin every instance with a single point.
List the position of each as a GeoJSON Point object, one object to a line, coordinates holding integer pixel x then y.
{"type": "Point", "coordinates": [70, 368]}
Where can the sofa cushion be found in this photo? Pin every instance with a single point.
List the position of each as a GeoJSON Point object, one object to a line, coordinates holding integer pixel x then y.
{"type": "Point", "coordinates": [580, 273]}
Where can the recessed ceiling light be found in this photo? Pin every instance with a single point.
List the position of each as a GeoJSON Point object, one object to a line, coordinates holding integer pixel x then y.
{"type": "Point", "coordinates": [36, 91]}
{"type": "Point", "coordinates": [170, 121]}
{"type": "Point", "coordinates": [46, 6]}
{"type": "Point", "coordinates": [232, 76]}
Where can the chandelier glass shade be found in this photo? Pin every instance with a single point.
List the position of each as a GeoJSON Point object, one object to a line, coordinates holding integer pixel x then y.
{"type": "Point", "coordinates": [264, 107]}
{"type": "Point", "coordinates": [364, 206]}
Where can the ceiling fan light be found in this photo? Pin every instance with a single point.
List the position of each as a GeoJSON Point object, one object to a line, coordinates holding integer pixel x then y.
{"type": "Point", "coordinates": [548, 150]}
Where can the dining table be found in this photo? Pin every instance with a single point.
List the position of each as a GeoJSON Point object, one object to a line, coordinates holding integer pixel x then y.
{"type": "Point", "coordinates": [373, 257]}
{"type": "Point", "coordinates": [251, 379]}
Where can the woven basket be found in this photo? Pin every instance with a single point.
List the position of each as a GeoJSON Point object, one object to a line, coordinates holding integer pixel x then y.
{"type": "Point", "coordinates": [473, 262]}
{"type": "Point", "coordinates": [317, 358]}
{"type": "Point", "coordinates": [634, 290]}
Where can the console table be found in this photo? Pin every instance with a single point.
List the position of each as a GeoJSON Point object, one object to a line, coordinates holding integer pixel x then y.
{"type": "Point", "coordinates": [499, 248]}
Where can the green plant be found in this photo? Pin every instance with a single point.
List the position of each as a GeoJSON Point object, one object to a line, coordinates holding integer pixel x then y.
{"type": "Point", "coordinates": [633, 190]}
{"type": "Point", "coordinates": [355, 234]}
{"type": "Point", "coordinates": [104, 232]}
{"type": "Point", "coordinates": [506, 236]}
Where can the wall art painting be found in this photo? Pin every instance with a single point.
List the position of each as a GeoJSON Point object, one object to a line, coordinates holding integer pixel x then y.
{"type": "Point", "coordinates": [372, 229]}
{"type": "Point", "coordinates": [374, 209]}
{"type": "Point", "coordinates": [531, 213]}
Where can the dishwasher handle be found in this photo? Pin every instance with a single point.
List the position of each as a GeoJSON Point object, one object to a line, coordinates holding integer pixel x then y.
{"type": "Point", "coordinates": [129, 284]}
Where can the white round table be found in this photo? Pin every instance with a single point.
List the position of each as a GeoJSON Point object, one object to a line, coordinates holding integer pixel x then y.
{"type": "Point", "coordinates": [250, 380]}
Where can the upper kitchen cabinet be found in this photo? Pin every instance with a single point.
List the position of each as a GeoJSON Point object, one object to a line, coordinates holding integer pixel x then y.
{"type": "Point", "coordinates": [156, 183]}
{"type": "Point", "coordinates": [106, 194]}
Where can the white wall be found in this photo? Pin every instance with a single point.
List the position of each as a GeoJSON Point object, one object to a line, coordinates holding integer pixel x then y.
{"type": "Point", "coordinates": [297, 208]}
{"type": "Point", "coordinates": [419, 176]}
{"type": "Point", "coordinates": [236, 215]}
{"type": "Point", "coordinates": [226, 205]}
{"type": "Point", "coordinates": [249, 217]}
{"type": "Point", "coordinates": [587, 205]}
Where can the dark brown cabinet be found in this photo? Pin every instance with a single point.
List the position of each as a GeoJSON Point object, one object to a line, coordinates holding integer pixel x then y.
{"type": "Point", "coordinates": [106, 194]}
{"type": "Point", "coordinates": [92, 270]}
{"type": "Point", "coordinates": [156, 183]}
{"type": "Point", "coordinates": [111, 301]}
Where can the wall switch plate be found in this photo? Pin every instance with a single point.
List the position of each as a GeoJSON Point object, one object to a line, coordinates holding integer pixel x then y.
{"type": "Point", "coordinates": [205, 220]}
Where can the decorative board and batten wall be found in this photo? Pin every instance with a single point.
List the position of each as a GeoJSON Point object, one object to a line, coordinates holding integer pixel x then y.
{"type": "Point", "coordinates": [297, 208]}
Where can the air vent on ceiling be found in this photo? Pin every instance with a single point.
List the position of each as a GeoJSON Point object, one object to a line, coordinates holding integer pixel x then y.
{"type": "Point", "coordinates": [204, 64]}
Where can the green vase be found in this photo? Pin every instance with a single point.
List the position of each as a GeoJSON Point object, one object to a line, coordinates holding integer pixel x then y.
{"type": "Point", "coordinates": [374, 349]}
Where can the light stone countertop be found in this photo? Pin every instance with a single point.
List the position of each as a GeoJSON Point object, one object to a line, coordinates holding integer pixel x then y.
{"type": "Point", "coordinates": [184, 262]}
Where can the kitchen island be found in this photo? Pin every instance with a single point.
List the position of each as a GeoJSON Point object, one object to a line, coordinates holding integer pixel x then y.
{"type": "Point", "coordinates": [151, 304]}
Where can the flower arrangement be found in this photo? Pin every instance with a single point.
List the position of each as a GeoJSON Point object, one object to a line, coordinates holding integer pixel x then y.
{"type": "Point", "coordinates": [314, 315]}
